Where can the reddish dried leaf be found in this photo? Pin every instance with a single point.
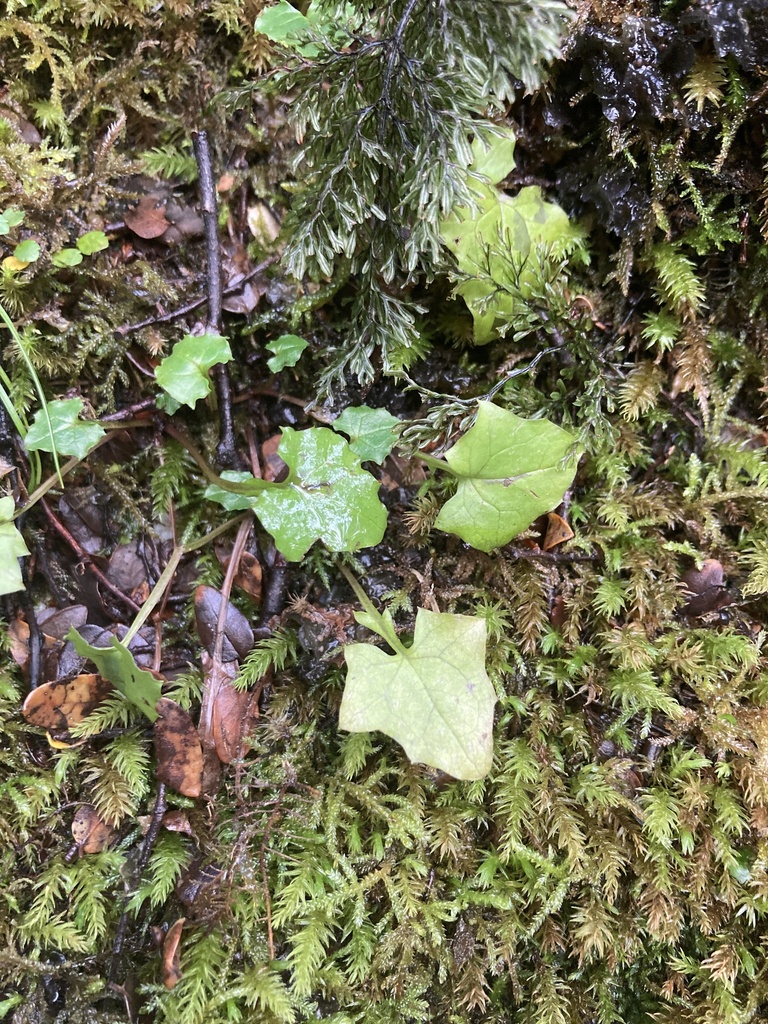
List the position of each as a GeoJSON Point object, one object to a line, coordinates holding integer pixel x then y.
{"type": "Point", "coordinates": [558, 531]}
{"type": "Point", "coordinates": [58, 705]}
{"type": "Point", "coordinates": [89, 831]}
{"type": "Point", "coordinates": [177, 821]}
{"type": "Point", "coordinates": [177, 749]}
{"type": "Point", "coordinates": [705, 589]}
{"type": "Point", "coordinates": [238, 635]}
{"type": "Point", "coordinates": [249, 572]}
{"type": "Point", "coordinates": [171, 954]}
{"type": "Point", "coordinates": [18, 634]}
{"type": "Point", "coordinates": [274, 467]}
{"type": "Point", "coordinates": [147, 219]}
{"type": "Point", "coordinates": [228, 718]}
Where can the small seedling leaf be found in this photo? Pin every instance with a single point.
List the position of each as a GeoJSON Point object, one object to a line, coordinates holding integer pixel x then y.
{"type": "Point", "coordinates": [93, 241]}
{"type": "Point", "coordinates": [494, 156]}
{"type": "Point", "coordinates": [287, 349]}
{"type": "Point", "coordinates": [116, 664]}
{"type": "Point", "coordinates": [68, 435]}
{"type": "Point", "coordinates": [184, 373]}
{"type": "Point", "coordinates": [27, 251]}
{"type": "Point", "coordinates": [12, 548]}
{"type": "Point", "coordinates": [510, 471]}
{"type": "Point", "coordinates": [10, 218]}
{"type": "Point", "coordinates": [434, 698]}
{"type": "Point", "coordinates": [67, 258]}
{"type": "Point", "coordinates": [372, 432]}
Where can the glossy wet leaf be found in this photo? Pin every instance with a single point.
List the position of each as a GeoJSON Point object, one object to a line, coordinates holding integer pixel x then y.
{"type": "Point", "coordinates": [12, 548]}
{"type": "Point", "coordinates": [372, 433]}
{"type": "Point", "coordinates": [510, 471]}
{"type": "Point", "coordinates": [184, 373]}
{"type": "Point", "coordinates": [177, 749]}
{"type": "Point", "coordinates": [435, 698]}
{"type": "Point", "coordinates": [238, 635]}
{"type": "Point", "coordinates": [68, 434]}
{"type": "Point", "coordinates": [287, 351]}
{"type": "Point", "coordinates": [115, 663]}
{"type": "Point", "coordinates": [327, 496]}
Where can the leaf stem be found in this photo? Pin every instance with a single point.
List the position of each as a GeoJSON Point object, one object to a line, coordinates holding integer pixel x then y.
{"type": "Point", "coordinates": [38, 386]}
{"type": "Point", "coordinates": [374, 619]}
{"type": "Point", "coordinates": [250, 488]}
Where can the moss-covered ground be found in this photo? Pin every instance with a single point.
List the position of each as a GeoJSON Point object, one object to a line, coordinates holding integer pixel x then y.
{"type": "Point", "coordinates": [613, 866]}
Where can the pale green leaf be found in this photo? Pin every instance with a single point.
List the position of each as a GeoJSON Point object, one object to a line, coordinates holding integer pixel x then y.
{"type": "Point", "coordinates": [116, 664]}
{"type": "Point", "coordinates": [12, 548]}
{"type": "Point", "coordinates": [287, 350]}
{"type": "Point", "coordinates": [494, 155]}
{"type": "Point", "coordinates": [93, 241]}
{"type": "Point", "coordinates": [283, 24]}
{"type": "Point", "coordinates": [503, 248]}
{"type": "Point", "coordinates": [67, 435]}
{"type": "Point", "coordinates": [434, 698]}
{"type": "Point", "coordinates": [372, 432]}
{"type": "Point", "coordinates": [10, 218]}
{"type": "Point", "coordinates": [67, 258]}
{"type": "Point", "coordinates": [184, 373]}
{"type": "Point", "coordinates": [510, 471]}
{"type": "Point", "coordinates": [27, 251]}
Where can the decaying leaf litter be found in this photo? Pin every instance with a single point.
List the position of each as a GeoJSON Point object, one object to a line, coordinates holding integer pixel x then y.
{"type": "Point", "coordinates": [245, 399]}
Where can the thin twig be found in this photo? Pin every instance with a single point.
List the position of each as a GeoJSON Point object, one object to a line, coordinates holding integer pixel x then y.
{"type": "Point", "coordinates": [190, 307]}
{"type": "Point", "coordinates": [145, 850]}
{"type": "Point", "coordinates": [273, 597]}
{"type": "Point", "coordinates": [552, 556]}
{"type": "Point", "coordinates": [271, 821]}
{"type": "Point", "coordinates": [226, 450]}
{"type": "Point", "coordinates": [86, 559]}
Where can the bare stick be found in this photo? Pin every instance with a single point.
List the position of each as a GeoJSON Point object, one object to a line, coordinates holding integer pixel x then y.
{"type": "Point", "coordinates": [82, 554]}
{"type": "Point", "coordinates": [190, 307]}
{"type": "Point", "coordinates": [226, 448]}
{"type": "Point", "coordinates": [144, 851]}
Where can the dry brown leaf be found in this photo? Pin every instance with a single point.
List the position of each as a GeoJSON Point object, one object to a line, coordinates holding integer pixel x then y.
{"type": "Point", "coordinates": [89, 831]}
{"type": "Point", "coordinates": [57, 706]}
{"type": "Point", "coordinates": [177, 749]}
{"type": "Point", "coordinates": [177, 821]}
{"type": "Point", "coordinates": [171, 954]}
{"type": "Point", "coordinates": [705, 589]}
{"type": "Point", "coordinates": [558, 532]}
{"type": "Point", "coordinates": [274, 467]}
{"type": "Point", "coordinates": [249, 572]}
{"type": "Point", "coordinates": [147, 219]}
{"type": "Point", "coordinates": [229, 714]}
{"type": "Point", "coordinates": [18, 634]}
{"type": "Point", "coordinates": [238, 635]}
